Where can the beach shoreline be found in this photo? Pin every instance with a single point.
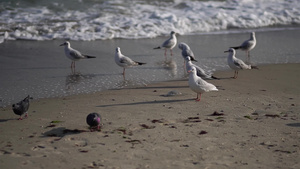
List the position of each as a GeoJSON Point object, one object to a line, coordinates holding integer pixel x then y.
{"type": "Point", "coordinates": [41, 69]}
{"type": "Point", "coordinates": [251, 122]}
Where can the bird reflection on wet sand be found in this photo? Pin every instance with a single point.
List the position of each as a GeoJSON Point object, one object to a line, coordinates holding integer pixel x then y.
{"type": "Point", "coordinates": [169, 65]}
{"type": "Point", "coordinates": [75, 78]}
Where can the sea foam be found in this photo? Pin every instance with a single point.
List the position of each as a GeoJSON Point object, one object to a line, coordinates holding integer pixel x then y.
{"type": "Point", "coordinates": [100, 19]}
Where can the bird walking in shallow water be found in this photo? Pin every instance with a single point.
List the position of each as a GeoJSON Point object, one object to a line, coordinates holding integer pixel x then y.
{"type": "Point", "coordinates": [198, 85]}
{"type": "Point", "coordinates": [124, 61]}
{"type": "Point", "coordinates": [247, 46]}
{"type": "Point", "coordinates": [73, 54]}
{"type": "Point", "coordinates": [169, 44]}
{"type": "Point", "coordinates": [21, 107]}
{"type": "Point", "coordinates": [236, 64]}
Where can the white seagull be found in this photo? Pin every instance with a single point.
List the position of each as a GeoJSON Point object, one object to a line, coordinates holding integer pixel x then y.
{"type": "Point", "coordinates": [198, 85]}
{"type": "Point", "coordinates": [73, 54]}
{"type": "Point", "coordinates": [186, 51]}
{"type": "Point", "coordinates": [199, 71]}
{"type": "Point", "coordinates": [124, 61]}
{"type": "Point", "coordinates": [247, 45]}
{"type": "Point", "coordinates": [169, 44]}
{"type": "Point", "coordinates": [236, 64]}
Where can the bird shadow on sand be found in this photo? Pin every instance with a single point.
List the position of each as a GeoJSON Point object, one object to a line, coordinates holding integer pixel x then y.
{"type": "Point", "coordinates": [147, 102]}
{"type": "Point", "coordinates": [62, 131]}
{"type": "Point", "coordinates": [293, 124]}
{"type": "Point", "coordinates": [5, 120]}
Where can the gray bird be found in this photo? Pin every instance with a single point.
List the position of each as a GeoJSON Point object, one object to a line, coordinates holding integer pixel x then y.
{"type": "Point", "coordinates": [73, 54]}
{"type": "Point", "coordinates": [124, 61]}
{"type": "Point", "coordinates": [169, 43]}
{"type": "Point", "coordinates": [21, 107]}
{"type": "Point", "coordinates": [186, 51]}
{"type": "Point", "coordinates": [94, 121]}
{"type": "Point", "coordinates": [200, 72]}
{"type": "Point", "coordinates": [247, 45]}
{"type": "Point", "coordinates": [237, 64]}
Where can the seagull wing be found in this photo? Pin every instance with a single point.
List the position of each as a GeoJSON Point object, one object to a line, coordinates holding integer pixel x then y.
{"type": "Point", "coordinates": [239, 63]}
{"type": "Point", "coordinates": [76, 54]}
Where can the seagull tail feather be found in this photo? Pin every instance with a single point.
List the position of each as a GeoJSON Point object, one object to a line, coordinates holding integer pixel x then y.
{"type": "Point", "coordinates": [236, 47]}
{"type": "Point", "coordinates": [89, 57]}
{"type": "Point", "coordinates": [213, 77]}
{"type": "Point", "coordinates": [140, 63]}
{"type": "Point", "coordinates": [157, 47]}
{"type": "Point", "coordinates": [254, 67]}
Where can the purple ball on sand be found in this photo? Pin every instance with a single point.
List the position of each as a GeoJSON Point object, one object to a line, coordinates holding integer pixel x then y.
{"type": "Point", "coordinates": [94, 121]}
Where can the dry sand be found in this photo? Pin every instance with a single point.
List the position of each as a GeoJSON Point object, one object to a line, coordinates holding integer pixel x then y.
{"type": "Point", "coordinates": [251, 122]}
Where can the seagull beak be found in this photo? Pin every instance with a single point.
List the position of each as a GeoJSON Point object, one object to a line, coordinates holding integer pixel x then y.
{"type": "Point", "coordinates": [226, 51]}
{"type": "Point", "coordinates": [62, 44]}
{"type": "Point", "coordinates": [189, 71]}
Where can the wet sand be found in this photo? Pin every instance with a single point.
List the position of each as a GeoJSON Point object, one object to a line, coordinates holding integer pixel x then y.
{"type": "Point", "coordinates": [251, 122]}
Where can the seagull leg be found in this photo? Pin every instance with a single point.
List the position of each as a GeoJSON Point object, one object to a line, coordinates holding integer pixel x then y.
{"type": "Point", "coordinates": [26, 115]}
{"type": "Point", "coordinates": [171, 52]}
{"type": "Point", "coordinates": [236, 74]}
{"type": "Point", "coordinates": [165, 53]}
{"type": "Point", "coordinates": [124, 73]}
{"type": "Point", "coordinates": [20, 118]}
{"type": "Point", "coordinates": [198, 97]}
{"type": "Point", "coordinates": [249, 57]}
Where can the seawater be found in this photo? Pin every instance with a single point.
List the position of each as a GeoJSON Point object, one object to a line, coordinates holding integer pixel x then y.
{"type": "Point", "coordinates": [134, 19]}
{"type": "Point", "coordinates": [39, 67]}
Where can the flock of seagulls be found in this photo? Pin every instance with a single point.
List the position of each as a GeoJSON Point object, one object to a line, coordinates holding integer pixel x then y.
{"type": "Point", "coordinates": [196, 80]}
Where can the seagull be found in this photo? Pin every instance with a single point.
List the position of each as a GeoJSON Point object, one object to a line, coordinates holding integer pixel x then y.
{"type": "Point", "coordinates": [73, 54]}
{"type": "Point", "coordinates": [198, 85]}
{"type": "Point", "coordinates": [237, 64]}
{"type": "Point", "coordinates": [186, 51]}
{"type": "Point", "coordinates": [94, 121]}
{"type": "Point", "coordinates": [124, 61]}
{"type": "Point", "coordinates": [247, 45]}
{"type": "Point", "coordinates": [200, 72]}
{"type": "Point", "coordinates": [169, 44]}
{"type": "Point", "coordinates": [21, 107]}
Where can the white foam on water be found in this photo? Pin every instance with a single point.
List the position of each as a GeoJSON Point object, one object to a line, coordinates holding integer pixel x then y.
{"type": "Point", "coordinates": [100, 19]}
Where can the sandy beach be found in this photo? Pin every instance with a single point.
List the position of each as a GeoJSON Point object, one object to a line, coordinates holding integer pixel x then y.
{"type": "Point", "coordinates": [251, 122]}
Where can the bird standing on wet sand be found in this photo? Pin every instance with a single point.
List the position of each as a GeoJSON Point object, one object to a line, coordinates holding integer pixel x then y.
{"type": "Point", "coordinates": [21, 107]}
{"type": "Point", "coordinates": [73, 54]}
{"type": "Point", "coordinates": [124, 61]}
{"type": "Point", "coordinates": [94, 121]}
{"type": "Point", "coordinates": [236, 64]}
{"type": "Point", "coordinates": [169, 44]}
{"type": "Point", "coordinates": [247, 46]}
{"type": "Point", "coordinates": [200, 72]}
{"type": "Point", "coordinates": [198, 85]}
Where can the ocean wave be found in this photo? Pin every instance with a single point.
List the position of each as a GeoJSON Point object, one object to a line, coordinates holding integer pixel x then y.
{"type": "Point", "coordinates": [102, 19]}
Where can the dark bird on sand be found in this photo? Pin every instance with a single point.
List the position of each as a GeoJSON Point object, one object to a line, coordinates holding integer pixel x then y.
{"type": "Point", "coordinates": [94, 121]}
{"type": "Point", "coordinates": [21, 107]}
